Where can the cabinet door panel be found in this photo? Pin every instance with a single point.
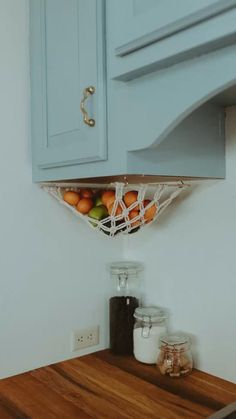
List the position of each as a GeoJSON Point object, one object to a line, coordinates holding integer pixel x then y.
{"type": "Point", "coordinates": [146, 21]}
{"type": "Point", "coordinates": [67, 55]}
{"type": "Point", "coordinates": [62, 69]}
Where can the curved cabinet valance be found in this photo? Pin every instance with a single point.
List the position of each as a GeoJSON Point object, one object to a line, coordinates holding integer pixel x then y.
{"type": "Point", "coordinates": [165, 118]}
{"type": "Point", "coordinates": [153, 106]}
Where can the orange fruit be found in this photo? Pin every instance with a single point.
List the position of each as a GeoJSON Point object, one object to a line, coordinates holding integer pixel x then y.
{"type": "Point", "coordinates": [119, 209]}
{"type": "Point", "coordinates": [86, 193]}
{"type": "Point", "coordinates": [133, 214]}
{"type": "Point", "coordinates": [108, 195]}
{"type": "Point", "coordinates": [131, 197]}
{"type": "Point", "coordinates": [85, 205]}
{"type": "Point", "coordinates": [110, 201]}
{"type": "Point", "coordinates": [71, 197]}
{"type": "Point", "coordinates": [149, 212]}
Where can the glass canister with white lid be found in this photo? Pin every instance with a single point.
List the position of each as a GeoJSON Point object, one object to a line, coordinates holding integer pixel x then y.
{"type": "Point", "coordinates": [125, 299]}
{"type": "Point", "coordinates": [150, 325]}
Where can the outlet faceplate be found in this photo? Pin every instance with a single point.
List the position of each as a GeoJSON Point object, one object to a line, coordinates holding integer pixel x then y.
{"type": "Point", "coordinates": [84, 338]}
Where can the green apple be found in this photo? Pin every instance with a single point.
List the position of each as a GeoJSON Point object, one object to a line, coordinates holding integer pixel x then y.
{"type": "Point", "coordinates": [98, 213]}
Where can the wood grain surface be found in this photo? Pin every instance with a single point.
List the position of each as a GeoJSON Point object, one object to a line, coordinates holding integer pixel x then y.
{"type": "Point", "coordinates": [105, 386]}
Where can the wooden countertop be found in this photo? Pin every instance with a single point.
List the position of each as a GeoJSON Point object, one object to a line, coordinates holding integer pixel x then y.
{"type": "Point", "coordinates": [105, 386]}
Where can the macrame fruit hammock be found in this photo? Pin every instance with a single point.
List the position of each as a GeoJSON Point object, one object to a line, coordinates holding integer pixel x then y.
{"type": "Point", "coordinates": [117, 207]}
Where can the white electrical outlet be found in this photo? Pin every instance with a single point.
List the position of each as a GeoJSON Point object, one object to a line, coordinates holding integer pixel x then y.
{"type": "Point", "coordinates": [85, 338]}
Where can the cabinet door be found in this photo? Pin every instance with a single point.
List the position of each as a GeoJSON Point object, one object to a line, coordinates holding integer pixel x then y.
{"type": "Point", "coordinates": [67, 55]}
{"type": "Point", "coordinates": [144, 22]}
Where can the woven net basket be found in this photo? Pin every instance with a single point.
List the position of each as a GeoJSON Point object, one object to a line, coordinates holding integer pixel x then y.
{"type": "Point", "coordinates": [147, 204]}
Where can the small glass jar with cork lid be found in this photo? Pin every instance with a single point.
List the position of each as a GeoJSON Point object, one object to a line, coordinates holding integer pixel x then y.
{"type": "Point", "coordinates": [175, 357]}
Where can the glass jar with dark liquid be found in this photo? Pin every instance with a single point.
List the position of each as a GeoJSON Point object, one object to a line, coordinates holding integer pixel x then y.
{"type": "Point", "coordinates": [122, 305]}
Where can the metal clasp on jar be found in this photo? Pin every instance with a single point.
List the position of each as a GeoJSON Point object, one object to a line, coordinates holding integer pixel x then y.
{"type": "Point", "coordinates": [146, 329]}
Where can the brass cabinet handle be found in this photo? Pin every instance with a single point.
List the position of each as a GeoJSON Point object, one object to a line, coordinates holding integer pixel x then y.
{"type": "Point", "coordinates": [88, 91]}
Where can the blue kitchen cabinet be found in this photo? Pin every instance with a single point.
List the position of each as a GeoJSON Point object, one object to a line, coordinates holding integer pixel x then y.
{"type": "Point", "coordinates": [156, 34]}
{"type": "Point", "coordinates": [147, 122]}
{"type": "Point", "coordinates": [67, 67]}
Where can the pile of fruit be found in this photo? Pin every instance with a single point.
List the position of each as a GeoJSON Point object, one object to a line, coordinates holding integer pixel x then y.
{"type": "Point", "coordinates": [102, 204]}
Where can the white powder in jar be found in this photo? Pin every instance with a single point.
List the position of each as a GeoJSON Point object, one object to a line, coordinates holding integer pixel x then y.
{"type": "Point", "coordinates": [146, 345]}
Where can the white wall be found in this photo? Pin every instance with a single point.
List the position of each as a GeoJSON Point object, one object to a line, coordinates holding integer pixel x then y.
{"type": "Point", "coordinates": [191, 265]}
{"type": "Point", "coordinates": [53, 268]}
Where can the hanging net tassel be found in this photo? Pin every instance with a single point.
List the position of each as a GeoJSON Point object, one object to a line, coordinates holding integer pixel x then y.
{"type": "Point", "coordinates": [128, 209]}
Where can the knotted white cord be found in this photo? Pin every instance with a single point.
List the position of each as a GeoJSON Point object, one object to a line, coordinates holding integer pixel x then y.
{"type": "Point", "coordinates": [114, 224]}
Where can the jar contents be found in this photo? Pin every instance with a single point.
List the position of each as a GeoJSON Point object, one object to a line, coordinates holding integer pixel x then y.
{"type": "Point", "coordinates": [122, 324]}
{"type": "Point", "coordinates": [149, 327]}
{"type": "Point", "coordinates": [122, 306]}
{"type": "Point", "coordinates": [175, 358]}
